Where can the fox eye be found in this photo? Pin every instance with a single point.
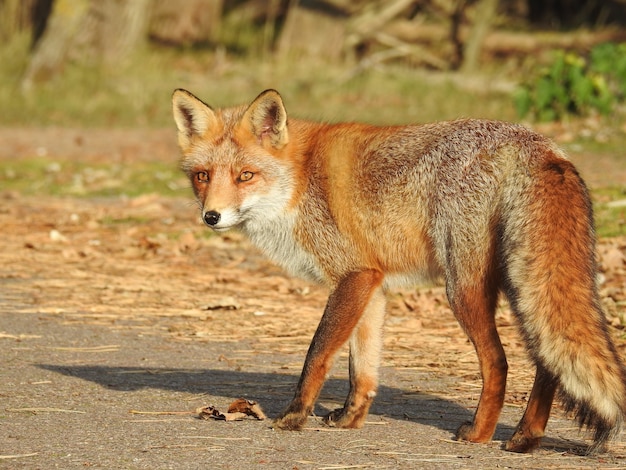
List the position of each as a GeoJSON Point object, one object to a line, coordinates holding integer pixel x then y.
{"type": "Point", "coordinates": [246, 176]}
{"type": "Point", "coordinates": [202, 177]}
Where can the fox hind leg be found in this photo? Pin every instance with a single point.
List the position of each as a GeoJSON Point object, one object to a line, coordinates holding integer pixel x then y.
{"type": "Point", "coordinates": [475, 311]}
{"type": "Point", "coordinates": [365, 348]}
{"type": "Point", "coordinates": [531, 428]}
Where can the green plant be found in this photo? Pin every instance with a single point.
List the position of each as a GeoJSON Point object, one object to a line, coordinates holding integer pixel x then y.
{"type": "Point", "coordinates": [571, 85]}
{"type": "Point", "coordinates": [609, 60]}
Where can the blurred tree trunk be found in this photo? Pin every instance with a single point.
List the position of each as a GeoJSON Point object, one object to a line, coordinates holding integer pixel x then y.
{"type": "Point", "coordinates": [456, 21]}
{"type": "Point", "coordinates": [369, 21]}
{"type": "Point", "coordinates": [50, 52]}
{"type": "Point", "coordinates": [40, 14]}
{"type": "Point", "coordinates": [110, 30]}
{"type": "Point", "coordinates": [314, 28]}
{"type": "Point", "coordinates": [485, 13]}
{"type": "Point", "coordinates": [186, 22]}
{"type": "Point", "coordinates": [90, 31]}
{"type": "Point", "coordinates": [122, 27]}
{"type": "Point", "coordinates": [23, 15]}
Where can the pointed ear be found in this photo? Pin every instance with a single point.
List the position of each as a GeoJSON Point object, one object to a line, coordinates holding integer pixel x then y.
{"type": "Point", "coordinates": [192, 116]}
{"type": "Point", "coordinates": [266, 116]}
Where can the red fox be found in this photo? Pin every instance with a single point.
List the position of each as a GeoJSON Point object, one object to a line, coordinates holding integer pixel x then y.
{"type": "Point", "coordinates": [488, 206]}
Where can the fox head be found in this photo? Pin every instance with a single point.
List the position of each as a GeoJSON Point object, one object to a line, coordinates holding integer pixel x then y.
{"type": "Point", "coordinates": [234, 158]}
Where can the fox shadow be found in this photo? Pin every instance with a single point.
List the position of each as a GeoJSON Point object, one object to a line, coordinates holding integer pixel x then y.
{"type": "Point", "coordinates": [274, 391]}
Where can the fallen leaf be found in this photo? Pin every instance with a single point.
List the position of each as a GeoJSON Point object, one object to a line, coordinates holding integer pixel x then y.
{"type": "Point", "coordinates": [211, 412]}
{"type": "Point", "coordinates": [612, 258]}
{"type": "Point", "coordinates": [238, 410]}
{"type": "Point", "coordinates": [225, 303]}
{"type": "Point", "coordinates": [249, 407]}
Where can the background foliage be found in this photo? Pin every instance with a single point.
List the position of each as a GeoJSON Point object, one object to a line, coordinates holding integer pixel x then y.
{"type": "Point", "coordinates": [575, 84]}
{"type": "Point", "coordinates": [110, 62]}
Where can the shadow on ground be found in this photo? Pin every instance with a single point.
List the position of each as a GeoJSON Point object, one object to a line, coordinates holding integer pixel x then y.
{"type": "Point", "coordinates": [276, 391]}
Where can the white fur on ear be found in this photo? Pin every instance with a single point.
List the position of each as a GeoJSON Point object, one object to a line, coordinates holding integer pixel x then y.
{"type": "Point", "coordinates": [266, 116]}
{"type": "Point", "coordinates": [192, 116]}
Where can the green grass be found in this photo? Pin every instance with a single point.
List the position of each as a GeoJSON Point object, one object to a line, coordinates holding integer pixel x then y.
{"type": "Point", "coordinates": [40, 176]}
{"type": "Point", "coordinates": [610, 218]}
{"type": "Point", "coordinates": [602, 156]}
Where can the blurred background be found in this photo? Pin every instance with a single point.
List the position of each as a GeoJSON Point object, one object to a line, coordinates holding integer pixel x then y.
{"type": "Point", "coordinates": [114, 62]}
{"type": "Point", "coordinates": [103, 66]}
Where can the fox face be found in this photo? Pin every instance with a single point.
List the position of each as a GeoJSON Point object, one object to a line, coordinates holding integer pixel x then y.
{"type": "Point", "coordinates": [235, 194]}
{"type": "Point", "coordinates": [232, 158]}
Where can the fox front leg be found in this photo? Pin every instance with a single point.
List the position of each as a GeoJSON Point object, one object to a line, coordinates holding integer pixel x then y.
{"type": "Point", "coordinates": [365, 349]}
{"type": "Point", "coordinates": [346, 306]}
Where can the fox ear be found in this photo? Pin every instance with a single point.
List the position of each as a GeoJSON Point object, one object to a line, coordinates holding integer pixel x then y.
{"type": "Point", "coordinates": [267, 116]}
{"type": "Point", "coordinates": [192, 116]}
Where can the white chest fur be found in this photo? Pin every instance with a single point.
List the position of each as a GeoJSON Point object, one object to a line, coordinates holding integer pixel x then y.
{"type": "Point", "coordinates": [275, 237]}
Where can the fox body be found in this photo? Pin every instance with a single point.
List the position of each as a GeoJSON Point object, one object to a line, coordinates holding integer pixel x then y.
{"type": "Point", "coordinates": [491, 207]}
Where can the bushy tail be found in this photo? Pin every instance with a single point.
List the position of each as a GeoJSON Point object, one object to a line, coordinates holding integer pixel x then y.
{"type": "Point", "coordinates": [551, 283]}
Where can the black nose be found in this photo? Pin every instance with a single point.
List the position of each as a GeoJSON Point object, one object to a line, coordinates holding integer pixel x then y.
{"type": "Point", "coordinates": [211, 218]}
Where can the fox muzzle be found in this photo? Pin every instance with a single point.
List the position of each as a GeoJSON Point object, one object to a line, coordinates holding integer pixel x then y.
{"type": "Point", "coordinates": [211, 218]}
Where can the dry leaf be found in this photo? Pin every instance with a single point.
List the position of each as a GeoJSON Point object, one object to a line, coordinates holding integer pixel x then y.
{"type": "Point", "coordinates": [249, 407]}
{"type": "Point", "coordinates": [612, 258]}
{"type": "Point", "coordinates": [225, 303]}
{"type": "Point", "coordinates": [238, 410]}
{"type": "Point", "coordinates": [211, 412]}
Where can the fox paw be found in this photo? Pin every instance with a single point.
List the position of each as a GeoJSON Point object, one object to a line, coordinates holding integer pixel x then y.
{"type": "Point", "coordinates": [341, 418]}
{"type": "Point", "coordinates": [522, 443]}
{"type": "Point", "coordinates": [290, 422]}
{"type": "Point", "coordinates": [467, 432]}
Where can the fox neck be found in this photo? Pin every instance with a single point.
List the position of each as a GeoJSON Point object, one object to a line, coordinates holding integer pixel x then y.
{"type": "Point", "coordinates": [276, 238]}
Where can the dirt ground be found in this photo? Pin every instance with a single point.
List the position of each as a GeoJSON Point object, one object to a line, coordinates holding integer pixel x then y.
{"type": "Point", "coordinates": [119, 317]}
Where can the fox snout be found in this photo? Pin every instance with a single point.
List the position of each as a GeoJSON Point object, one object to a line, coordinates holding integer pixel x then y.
{"type": "Point", "coordinates": [221, 220]}
{"type": "Point", "coordinates": [211, 218]}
